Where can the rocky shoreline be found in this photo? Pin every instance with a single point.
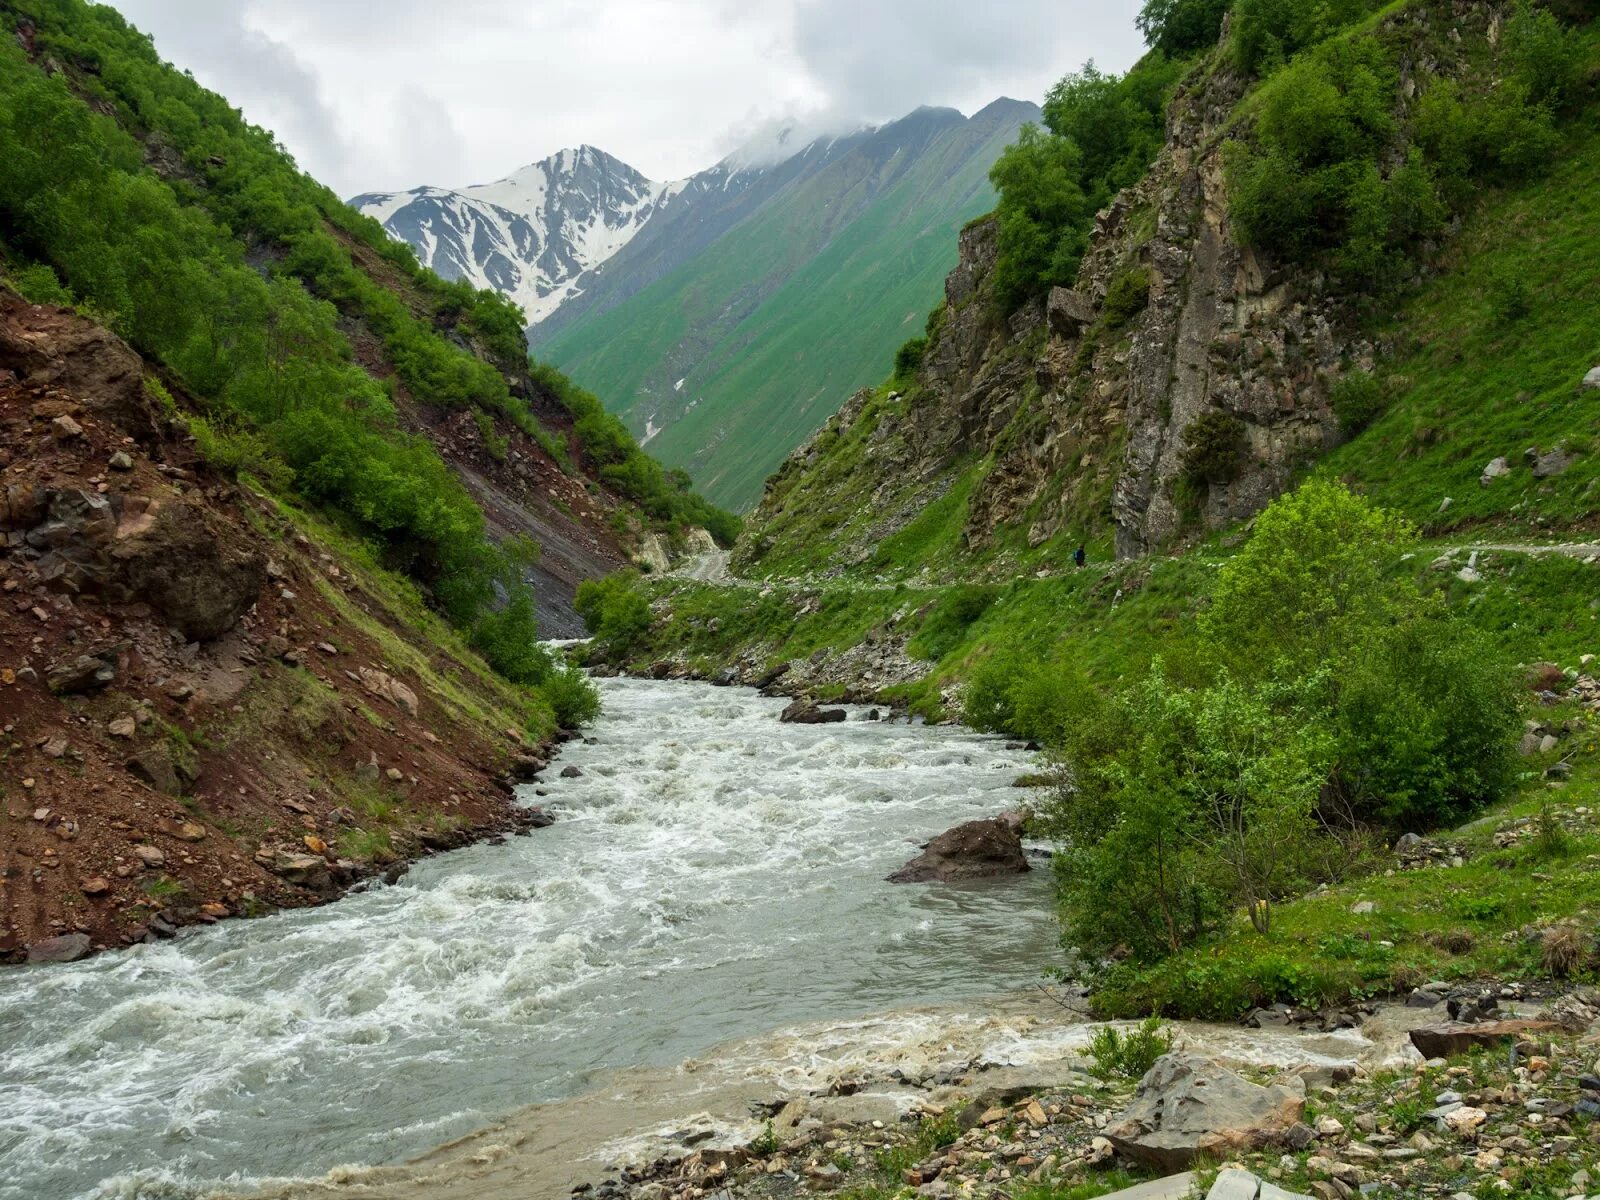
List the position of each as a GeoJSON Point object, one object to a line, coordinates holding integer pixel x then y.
{"type": "Point", "coordinates": [1458, 1109]}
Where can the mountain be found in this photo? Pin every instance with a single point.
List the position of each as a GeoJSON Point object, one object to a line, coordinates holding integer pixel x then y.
{"type": "Point", "coordinates": [697, 308]}
{"type": "Point", "coordinates": [530, 235]}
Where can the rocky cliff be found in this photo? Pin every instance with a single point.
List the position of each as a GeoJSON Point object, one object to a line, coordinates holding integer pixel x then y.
{"type": "Point", "coordinates": [1067, 420]}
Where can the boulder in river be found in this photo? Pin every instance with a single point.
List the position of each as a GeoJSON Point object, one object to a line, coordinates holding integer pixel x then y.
{"type": "Point", "coordinates": [805, 712]}
{"type": "Point", "coordinates": [69, 947]}
{"type": "Point", "coordinates": [1188, 1107]}
{"type": "Point", "coordinates": [973, 850]}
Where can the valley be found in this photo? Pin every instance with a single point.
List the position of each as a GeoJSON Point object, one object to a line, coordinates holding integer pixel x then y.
{"type": "Point", "coordinates": [1142, 738]}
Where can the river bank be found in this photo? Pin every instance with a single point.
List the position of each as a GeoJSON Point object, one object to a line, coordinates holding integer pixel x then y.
{"type": "Point", "coordinates": [711, 873]}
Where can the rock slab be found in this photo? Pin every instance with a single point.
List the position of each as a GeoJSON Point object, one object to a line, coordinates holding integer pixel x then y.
{"type": "Point", "coordinates": [1187, 1107]}
{"type": "Point", "coordinates": [1451, 1039]}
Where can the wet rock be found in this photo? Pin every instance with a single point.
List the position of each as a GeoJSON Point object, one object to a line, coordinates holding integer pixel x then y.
{"type": "Point", "coordinates": [69, 947]}
{"type": "Point", "coordinates": [570, 772]}
{"type": "Point", "coordinates": [308, 870]}
{"type": "Point", "coordinates": [1187, 1107]}
{"type": "Point", "coordinates": [972, 850]}
{"type": "Point", "coordinates": [805, 712]}
{"type": "Point", "coordinates": [1458, 1037]}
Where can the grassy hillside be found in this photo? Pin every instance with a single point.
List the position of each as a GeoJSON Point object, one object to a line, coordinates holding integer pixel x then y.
{"type": "Point", "coordinates": [323, 356]}
{"type": "Point", "coordinates": [787, 312]}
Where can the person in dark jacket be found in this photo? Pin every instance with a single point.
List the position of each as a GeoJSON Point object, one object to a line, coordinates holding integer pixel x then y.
{"type": "Point", "coordinates": [1077, 556]}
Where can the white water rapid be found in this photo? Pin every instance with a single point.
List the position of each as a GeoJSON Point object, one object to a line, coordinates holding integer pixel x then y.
{"type": "Point", "coordinates": [712, 874]}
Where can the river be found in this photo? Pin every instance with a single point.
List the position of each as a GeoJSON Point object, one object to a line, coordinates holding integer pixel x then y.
{"type": "Point", "coordinates": [712, 874]}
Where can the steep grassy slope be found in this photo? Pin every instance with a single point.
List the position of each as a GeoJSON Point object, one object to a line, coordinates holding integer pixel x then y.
{"type": "Point", "coordinates": [794, 307]}
{"type": "Point", "coordinates": [328, 361]}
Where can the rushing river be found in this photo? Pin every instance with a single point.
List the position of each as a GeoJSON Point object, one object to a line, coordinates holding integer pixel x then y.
{"type": "Point", "coordinates": [712, 874]}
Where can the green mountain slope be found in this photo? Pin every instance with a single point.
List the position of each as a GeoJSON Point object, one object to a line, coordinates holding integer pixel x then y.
{"type": "Point", "coordinates": [799, 304]}
{"type": "Point", "coordinates": [329, 363]}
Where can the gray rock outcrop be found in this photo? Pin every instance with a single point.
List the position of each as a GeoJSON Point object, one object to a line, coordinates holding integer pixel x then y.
{"type": "Point", "coordinates": [1187, 1107]}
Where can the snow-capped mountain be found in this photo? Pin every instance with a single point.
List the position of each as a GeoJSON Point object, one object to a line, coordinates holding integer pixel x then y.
{"type": "Point", "coordinates": [529, 235]}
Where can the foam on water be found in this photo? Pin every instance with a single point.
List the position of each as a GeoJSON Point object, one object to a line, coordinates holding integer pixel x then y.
{"type": "Point", "coordinates": [712, 874]}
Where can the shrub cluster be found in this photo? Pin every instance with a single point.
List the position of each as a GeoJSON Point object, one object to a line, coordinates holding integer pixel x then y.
{"type": "Point", "coordinates": [1340, 170]}
{"type": "Point", "coordinates": [616, 613]}
{"type": "Point", "coordinates": [1320, 693]}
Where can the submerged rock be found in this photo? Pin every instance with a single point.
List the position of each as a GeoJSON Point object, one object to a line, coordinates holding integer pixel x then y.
{"type": "Point", "coordinates": [974, 850]}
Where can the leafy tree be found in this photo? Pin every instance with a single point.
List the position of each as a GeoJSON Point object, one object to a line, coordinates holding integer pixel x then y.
{"type": "Point", "coordinates": [1178, 27]}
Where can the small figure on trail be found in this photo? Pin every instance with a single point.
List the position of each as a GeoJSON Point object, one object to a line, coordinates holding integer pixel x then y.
{"type": "Point", "coordinates": [1077, 556]}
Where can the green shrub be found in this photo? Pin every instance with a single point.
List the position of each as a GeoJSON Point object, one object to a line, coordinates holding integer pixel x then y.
{"type": "Point", "coordinates": [1128, 1056]}
{"type": "Point", "coordinates": [573, 698]}
{"type": "Point", "coordinates": [1126, 297]}
{"type": "Point", "coordinates": [1510, 296]}
{"type": "Point", "coordinates": [1177, 27]}
{"type": "Point", "coordinates": [1357, 399]}
{"type": "Point", "coordinates": [1213, 448]}
{"type": "Point", "coordinates": [37, 284]}
{"type": "Point", "coordinates": [616, 614]}
{"type": "Point", "coordinates": [908, 359]}
{"type": "Point", "coordinates": [508, 639]}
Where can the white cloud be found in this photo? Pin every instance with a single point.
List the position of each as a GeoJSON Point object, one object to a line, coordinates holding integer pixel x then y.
{"type": "Point", "coordinates": [375, 95]}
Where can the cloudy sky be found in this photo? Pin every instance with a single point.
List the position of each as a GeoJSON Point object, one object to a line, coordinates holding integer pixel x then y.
{"type": "Point", "coordinates": [388, 94]}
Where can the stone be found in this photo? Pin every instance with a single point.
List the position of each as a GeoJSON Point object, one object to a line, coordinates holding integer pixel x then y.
{"type": "Point", "coordinates": [1449, 1040]}
{"type": "Point", "coordinates": [1464, 1121]}
{"type": "Point", "coordinates": [83, 673]}
{"type": "Point", "coordinates": [1188, 1107]}
{"type": "Point", "coordinates": [804, 712]}
{"type": "Point", "coordinates": [1469, 575]}
{"type": "Point", "coordinates": [1362, 907]}
{"type": "Point", "coordinates": [155, 767]}
{"type": "Point", "coordinates": [64, 428]}
{"type": "Point", "coordinates": [1234, 1184]}
{"type": "Point", "coordinates": [1552, 462]}
{"type": "Point", "coordinates": [151, 856]}
{"type": "Point", "coordinates": [1069, 312]}
{"type": "Point", "coordinates": [385, 686]}
{"type": "Point", "coordinates": [69, 947]}
{"type": "Point", "coordinates": [394, 775]}
{"type": "Point", "coordinates": [1591, 381]}
{"type": "Point", "coordinates": [1496, 468]}
{"type": "Point", "coordinates": [121, 727]}
{"type": "Point", "coordinates": [95, 885]}
{"type": "Point", "coordinates": [308, 870]}
{"type": "Point", "coordinates": [120, 461]}
{"type": "Point", "coordinates": [570, 772]}
{"type": "Point", "coordinates": [972, 850]}
{"type": "Point", "coordinates": [1408, 841]}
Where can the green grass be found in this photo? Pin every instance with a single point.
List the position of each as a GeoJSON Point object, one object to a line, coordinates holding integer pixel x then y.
{"type": "Point", "coordinates": [1467, 384]}
{"type": "Point", "coordinates": [1443, 922]}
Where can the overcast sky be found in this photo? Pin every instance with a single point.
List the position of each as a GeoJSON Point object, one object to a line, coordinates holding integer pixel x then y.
{"type": "Point", "coordinates": [376, 95]}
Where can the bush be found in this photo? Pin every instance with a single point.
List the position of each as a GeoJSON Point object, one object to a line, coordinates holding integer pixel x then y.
{"type": "Point", "coordinates": [1130, 1056]}
{"type": "Point", "coordinates": [616, 614]}
{"type": "Point", "coordinates": [1213, 448]}
{"type": "Point", "coordinates": [1127, 296]}
{"type": "Point", "coordinates": [1357, 399]}
{"type": "Point", "coordinates": [38, 284]}
{"type": "Point", "coordinates": [573, 698]}
{"type": "Point", "coordinates": [908, 358]}
{"type": "Point", "coordinates": [1178, 27]}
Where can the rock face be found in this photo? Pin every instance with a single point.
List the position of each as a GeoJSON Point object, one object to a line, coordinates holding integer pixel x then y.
{"type": "Point", "coordinates": [1187, 1107]}
{"type": "Point", "coordinates": [128, 548]}
{"type": "Point", "coordinates": [974, 850]}
{"type": "Point", "coordinates": [1077, 397]}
